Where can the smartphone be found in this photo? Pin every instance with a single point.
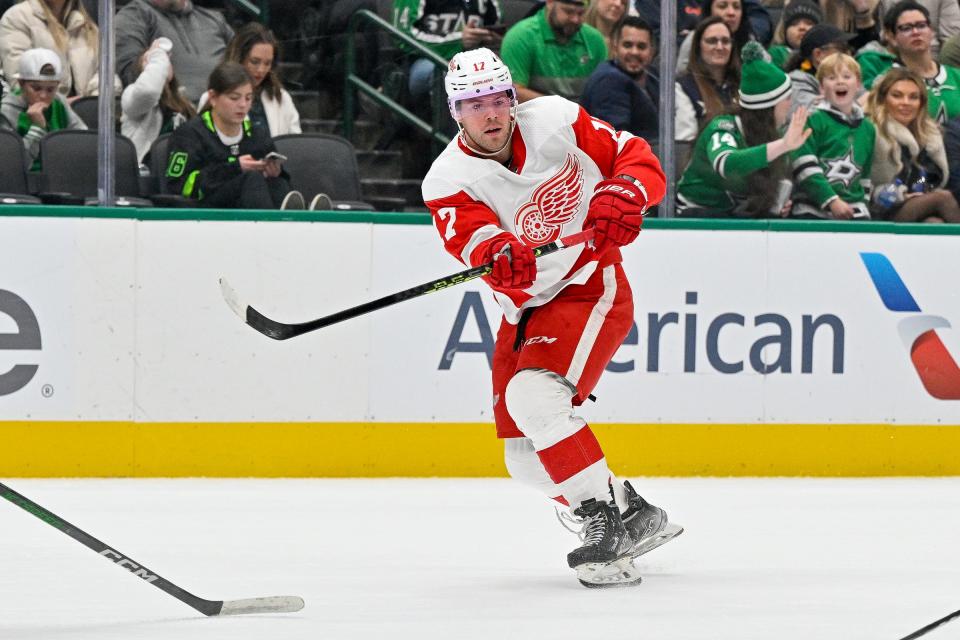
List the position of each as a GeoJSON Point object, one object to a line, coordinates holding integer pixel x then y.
{"type": "Point", "coordinates": [273, 155]}
{"type": "Point", "coordinates": [497, 28]}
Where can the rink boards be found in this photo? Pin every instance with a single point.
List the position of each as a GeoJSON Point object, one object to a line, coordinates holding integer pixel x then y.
{"type": "Point", "coordinates": [759, 349]}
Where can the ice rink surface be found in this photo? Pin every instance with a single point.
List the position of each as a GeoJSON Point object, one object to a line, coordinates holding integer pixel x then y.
{"type": "Point", "coordinates": [771, 559]}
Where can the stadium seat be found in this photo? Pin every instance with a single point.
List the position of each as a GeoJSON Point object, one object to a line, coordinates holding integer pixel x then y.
{"type": "Point", "coordinates": [156, 159]}
{"type": "Point", "coordinates": [88, 110]}
{"type": "Point", "coordinates": [323, 163]}
{"type": "Point", "coordinates": [69, 173]}
{"type": "Point", "coordinates": [13, 170]}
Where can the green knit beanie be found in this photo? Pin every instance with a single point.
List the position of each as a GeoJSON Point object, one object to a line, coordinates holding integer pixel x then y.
{"type": "Point", "coordinates": [762, 83]}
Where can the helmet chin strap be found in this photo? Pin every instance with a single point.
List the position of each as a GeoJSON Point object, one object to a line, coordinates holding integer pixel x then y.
{"type": "Point", "coordinates": [465, 137]}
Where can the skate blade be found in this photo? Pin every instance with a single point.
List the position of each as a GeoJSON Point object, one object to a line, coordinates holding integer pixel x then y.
{"type": "Point", "coordinates": [664, 536]}
{"type": "Point", "coordinates": [602, 575]}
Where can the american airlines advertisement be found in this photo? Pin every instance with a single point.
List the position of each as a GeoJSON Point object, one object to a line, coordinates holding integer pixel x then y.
{"type": "Point", "coordinates": [125, 320]}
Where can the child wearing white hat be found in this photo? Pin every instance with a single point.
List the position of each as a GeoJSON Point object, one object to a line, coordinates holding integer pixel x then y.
{"type": "Point", "coordinates": [34, 108]}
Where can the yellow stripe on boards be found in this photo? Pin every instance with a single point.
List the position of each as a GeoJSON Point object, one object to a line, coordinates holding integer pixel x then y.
{"type": "Point", "coordinates": [129, 449]}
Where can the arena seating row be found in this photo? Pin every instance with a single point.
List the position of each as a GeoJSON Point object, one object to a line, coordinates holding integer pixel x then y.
{"type": "Point", "coordinates": [317, 163]}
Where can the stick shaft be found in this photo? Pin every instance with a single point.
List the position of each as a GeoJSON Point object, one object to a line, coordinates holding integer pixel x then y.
{"type": "Point", "coordinates": [933, 625]}
{"type": "Point", "coordinates": [282, 331]}
{"type": "Point", "coordinates": [207, 607]}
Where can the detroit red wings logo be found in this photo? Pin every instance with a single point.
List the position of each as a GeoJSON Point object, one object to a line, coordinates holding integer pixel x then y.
{"type": "Point", "coordinates": [554, 204]}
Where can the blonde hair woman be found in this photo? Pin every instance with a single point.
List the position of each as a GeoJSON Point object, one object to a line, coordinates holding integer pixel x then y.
{"type": "Point", "coordinates": [910, 163]}
{"type": "Point", "coordinates": [63, 26]}
{"type": "Point", "coordinates": [604, 15]}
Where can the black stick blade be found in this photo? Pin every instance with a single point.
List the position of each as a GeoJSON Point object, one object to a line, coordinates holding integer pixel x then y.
{"type": "Point", "coordinates": [268, 327]}
{"type": "Point", "coordinates": [260, 322]}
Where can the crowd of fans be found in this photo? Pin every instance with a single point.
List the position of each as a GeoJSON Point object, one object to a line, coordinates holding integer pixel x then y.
{"type": "Point", "coordinates": [837, 111]}
{"type": "Point", "coordinates": [829, 109]}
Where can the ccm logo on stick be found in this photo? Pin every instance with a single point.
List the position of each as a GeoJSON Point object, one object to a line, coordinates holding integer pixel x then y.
{"type": "Point", "coordinates": [26, 336]}
{"type": "Point", "coordinates": [128, 564]}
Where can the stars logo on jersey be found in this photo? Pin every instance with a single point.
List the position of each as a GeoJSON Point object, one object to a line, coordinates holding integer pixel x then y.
{"type": "Point", "coordinates": [843, 169]}
{"type": "Point", "coordinates": [941, 116]}
{"type": "Point", "coordinates": [554, 203]}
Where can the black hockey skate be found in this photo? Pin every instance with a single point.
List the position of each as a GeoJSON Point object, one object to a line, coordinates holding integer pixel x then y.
{"type": "Point", "coordinates": [603, 560]}
{"type": "Point", "coordinates": [647, 525]}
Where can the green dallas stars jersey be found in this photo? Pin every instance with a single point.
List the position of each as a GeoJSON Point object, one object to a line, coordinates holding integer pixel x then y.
{"type": "Point", "coordinates": [834, 162]}
{"type": "Point", "coordinates": [943, 89]}
{"type": "Point", "coordinates": [721, 162]}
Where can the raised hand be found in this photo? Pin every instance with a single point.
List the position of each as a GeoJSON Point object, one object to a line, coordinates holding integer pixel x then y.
{"type": "Point", "coordinates": [796, 133]}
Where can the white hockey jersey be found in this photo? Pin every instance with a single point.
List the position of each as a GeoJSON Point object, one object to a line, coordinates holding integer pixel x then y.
{"type": "Point", "coordinates": [560, 153]}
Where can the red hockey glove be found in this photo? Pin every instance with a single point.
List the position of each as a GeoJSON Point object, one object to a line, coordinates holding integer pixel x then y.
{"type": "Point", "coordinates": [615, 213]}
{"type": "Point", "coordinates": [514, 265]}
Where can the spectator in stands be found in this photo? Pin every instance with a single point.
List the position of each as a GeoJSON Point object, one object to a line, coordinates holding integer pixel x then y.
{"type": "Point", "coordinates": [690, 12]}
{"type": "Point", "coordinates": [738, 163]}
{"type": "Point", "coordinates": [832, 169]}
{"type": "Point", "coordinates": [255, 47]}
{"type": "Point", "coordinates": [910, 165]}
{"type": "Point", "coordinates": [603, 15]}
{"type": "Point", "coordinates": [62, 26]}
{"type": "Point", "coordinates": [709, 86]}
{"type": "Point", "coordinates": [944, 21]}
{"type": "Point", "coordinates": [200, 37]}
{"type": "Point", "coordinates": [154, 104]}
{"type": "Point", "coordinates": [220, 159]}
{"type": "Point", "coordinates": [624, 91]}
{"type": "Point", "coordinates": [553, 52]}
{"type": "Point", "coordinates": [688, 15]}
{"type": "Point", "coordinates": [446, 27]}
{"type": "Point", "coordinates": [732, 13]}
{"type": "Point", "coordinates": [857, 17]}
{"type": "Point", "coordinates": [907, 31]}
{"type": "Point", "coordinates": [797, 18]}
{"type": "Point", "coordinates": [818, 43]}
{"type": "Point", "coordinates": [35, 107]}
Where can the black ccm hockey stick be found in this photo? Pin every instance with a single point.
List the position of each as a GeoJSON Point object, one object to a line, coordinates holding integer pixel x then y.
{"type": "Point", "coordinates": [272, 604]}
{"type": "Point", "coordinates": [283, 331]}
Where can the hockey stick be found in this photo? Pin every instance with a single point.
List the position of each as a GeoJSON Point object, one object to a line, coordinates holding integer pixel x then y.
{"type": "Point", "coordinates": [272, 604]}
{"type": "Point", "coordinates": [933, 625]}
{"type": "Point", "coordinates": [282, 331]}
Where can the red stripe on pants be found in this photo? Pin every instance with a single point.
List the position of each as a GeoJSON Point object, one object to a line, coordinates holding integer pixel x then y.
{"type": "Point", "coordinates": [571, 455]}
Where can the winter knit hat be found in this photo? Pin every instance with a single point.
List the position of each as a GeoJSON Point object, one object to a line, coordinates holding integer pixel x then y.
{"type": "Point", "coordinates": [762, 83]}
{"type": "Point", "coordinates": [801, 9]}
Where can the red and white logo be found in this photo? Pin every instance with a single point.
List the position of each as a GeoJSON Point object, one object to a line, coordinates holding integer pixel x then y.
{"type": "Point", "coordinates": [554, 203]}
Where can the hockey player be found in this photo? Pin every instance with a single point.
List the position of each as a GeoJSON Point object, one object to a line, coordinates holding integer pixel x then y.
{"type": "Point", "coordinates": [832, 168]}
{"type": "Point", "coordinates": [515, 178]}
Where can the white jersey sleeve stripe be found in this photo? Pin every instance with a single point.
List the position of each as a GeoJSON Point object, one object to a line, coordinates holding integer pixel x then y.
{"type": "Point", "coordinates": [623, 137]}
{"type": "Point", "coordinates": [592, 329]}
{"type": "Point", "coordinates": [480, 235]}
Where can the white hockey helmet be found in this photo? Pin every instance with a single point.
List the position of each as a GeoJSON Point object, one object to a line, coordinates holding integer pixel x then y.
{"type": "Point", "coordinates": [474, 73]}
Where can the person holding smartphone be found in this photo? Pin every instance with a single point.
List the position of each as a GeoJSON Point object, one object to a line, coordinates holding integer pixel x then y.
{"type": "Point", "coordinates": [221, 160]}
{"type": "Point", "coordinates": [446, 27]}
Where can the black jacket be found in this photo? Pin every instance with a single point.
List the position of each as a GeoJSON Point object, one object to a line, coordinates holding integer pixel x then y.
{"type": "Point", "coordinates": [199, 163]}
{"type": "Point", "coordinates": [611, 95]}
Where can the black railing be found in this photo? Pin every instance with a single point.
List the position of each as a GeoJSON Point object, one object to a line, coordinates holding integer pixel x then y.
{"type": "Point", "coordinates": [354, 83]}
